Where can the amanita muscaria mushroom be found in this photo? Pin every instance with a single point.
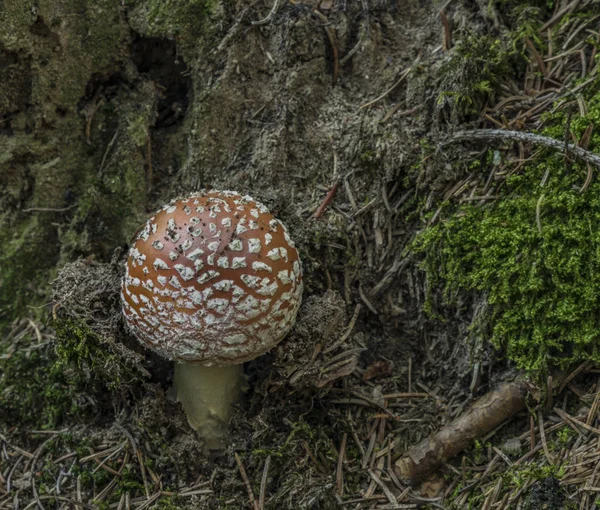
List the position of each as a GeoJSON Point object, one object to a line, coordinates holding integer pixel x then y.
{"type": "Point", "coordinates": [212, 280]}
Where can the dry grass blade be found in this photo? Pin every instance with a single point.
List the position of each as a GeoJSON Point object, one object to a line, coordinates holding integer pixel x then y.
{"type": "Point", "coordinates": [318, 464]}
{"type": "Point", "coordinates": [447, 44]}
{"type": "Point", "coordinates": [543, 439]}
{"type": "Point", "coordinates": [150, 501]}
{"type": "Point", "coordinates": [593, 414]}
{"type": "Point", "coordinates": [537, 57]}
{"type": "Point", "coordinates": [581, 368]}
{"type": "Point", "coordinates": [578, 423]}
{"type": "Point", "coordinates": [388, 493]}
{"type": "Point", "coordinates": [16, 448]}
{"type": "Point", "coordinates": [327, 200]}
{"type": "Point", "coordinates": [104, 453]}
{"type": "Point", "coordinates": [199, 492]}
{"type": "Point", "coordinates": [269, 16]}
{"type": "Point", "coordinates": [334, 47]}
{"type": "Point", "coordinates": [138, 455]}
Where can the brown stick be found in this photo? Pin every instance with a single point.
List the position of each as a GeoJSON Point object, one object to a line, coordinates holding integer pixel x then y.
{"type": "Point", "coordinates": [484, 416]}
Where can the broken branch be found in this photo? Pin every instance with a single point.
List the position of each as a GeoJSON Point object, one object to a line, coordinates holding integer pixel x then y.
{"type": "Point", "coordinates": [485, 415]}
{"type": "Point", "coordinates": [519, 136]}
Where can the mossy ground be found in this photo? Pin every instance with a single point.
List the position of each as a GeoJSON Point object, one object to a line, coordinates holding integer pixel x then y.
{"type": "Point", "coordinates": [49, 383]}
{"type": "Point", "coordinates": [37, 379]}
{"type": "Point", "coordinates": [101, 140]}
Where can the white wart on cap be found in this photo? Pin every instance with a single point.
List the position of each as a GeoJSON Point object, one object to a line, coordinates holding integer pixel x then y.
{"type": "Point", "coordinates": [213, 279]}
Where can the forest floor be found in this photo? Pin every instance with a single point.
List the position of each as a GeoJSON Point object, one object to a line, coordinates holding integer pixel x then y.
{"type": "Point", "coordinates": [342, 117]}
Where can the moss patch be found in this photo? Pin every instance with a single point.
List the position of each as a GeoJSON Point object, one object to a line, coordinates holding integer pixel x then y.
{"type": "Point", "coordinates": [42, 385]}
{"type": "Point", "coordinates": [536, 255]}
{"type": "Point", "coordinates": [50, 53]}
{"type": "Point", "coordinates": [37, 389]}
{"type": "Point", "coordinates": [21, 264]}
{"type": "Point", "coordinates": [84, 350]}
{"type": "Point", "coordinates": [471, 76]}
{"type": "Point", "coordinates": [173, 19]}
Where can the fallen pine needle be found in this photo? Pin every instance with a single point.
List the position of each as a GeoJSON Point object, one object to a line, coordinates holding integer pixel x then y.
{"type": "Point", "coordinates": [246, 482]}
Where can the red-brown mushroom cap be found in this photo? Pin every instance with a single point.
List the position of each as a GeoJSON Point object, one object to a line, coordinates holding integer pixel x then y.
{"type": "Point", "coordinates": [213, 278]}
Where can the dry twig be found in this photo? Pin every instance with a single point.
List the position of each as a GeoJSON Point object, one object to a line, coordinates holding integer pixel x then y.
{"type": "Point", "coordinates": [518, 136]}
{"type": "Point", "coordinates": [484, 415]}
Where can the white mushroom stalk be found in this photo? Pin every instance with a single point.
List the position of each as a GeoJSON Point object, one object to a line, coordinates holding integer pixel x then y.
{"type": "Point", "coordinates": [212, 280]}
{"type": "Point", "coordinates": [207, 395]}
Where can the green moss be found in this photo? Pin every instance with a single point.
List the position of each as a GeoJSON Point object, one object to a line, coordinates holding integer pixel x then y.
{"type": "Point", "coordinates": [478, 65]}
{"type": "Point", "coordinates": [473, 73]}
{"type": "Point", "coordinates": [129, 481]}
{"type": "Point", "coordinates": [36, 390]}
{"type": "Point", "coordinates": [112, 202]}
{"type": "Point", "coordinates": [535, 254]}
{"type": "Point", "coordinates": [300, 430]}
{"type": "Point", "coordinates": [53, 49]}
{"type": "Point", "coordinates": [564, 437]}
{"type": "Point", "coordinates": [84, 351]}
{"type": "Point", "coordinates": [43, 385]}
{"type": "Point", "coordinates": [525, 18]}
{"type": "Point", "coordinates": [480, 450]}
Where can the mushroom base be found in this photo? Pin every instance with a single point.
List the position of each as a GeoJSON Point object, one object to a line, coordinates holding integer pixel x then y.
{"type": "Point", "coordinates": [207, 395]}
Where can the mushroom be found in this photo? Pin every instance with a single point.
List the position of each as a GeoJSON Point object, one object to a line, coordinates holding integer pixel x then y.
{"type": "Point", "coordinates": [212, 280]}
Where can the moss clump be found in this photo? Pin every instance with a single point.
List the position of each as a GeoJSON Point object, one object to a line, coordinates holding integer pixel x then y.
{"type": "Point", "coordinates": [52, 50]}
{"type": "Point", "coordinates": [93, 357]}
{"type": "Point", "coordinates": [535, 253]}
{"type": "Point", "coordinates": [42, 385]}
{"type": "Point", "coordinates": [472, 74]}
{"type": "Point", "coordinates": [477, 65]}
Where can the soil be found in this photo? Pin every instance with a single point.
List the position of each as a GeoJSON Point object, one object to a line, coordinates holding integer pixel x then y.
{"type": "Point", "coordinates": [321, 110]}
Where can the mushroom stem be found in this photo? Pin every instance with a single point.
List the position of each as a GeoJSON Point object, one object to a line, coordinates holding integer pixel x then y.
{"type": "Point", "coordinates": [207, 395]}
